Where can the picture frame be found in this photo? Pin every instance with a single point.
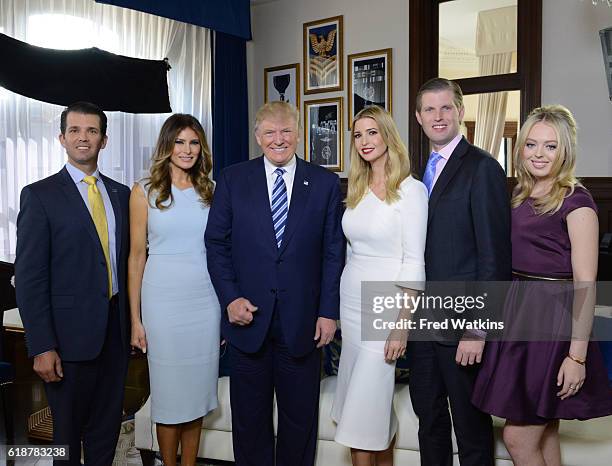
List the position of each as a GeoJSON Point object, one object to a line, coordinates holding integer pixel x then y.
{"type": "Point", "coordinates": [323, 44]}
{"type": "Point", "coordinates": [369, 81]}
{"type": "Point", "coordinates": [282, 83]}
{"type": "Point", "coordinates": [323, 133]}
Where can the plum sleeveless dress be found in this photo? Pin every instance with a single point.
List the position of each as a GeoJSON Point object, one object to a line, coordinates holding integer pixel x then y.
{"type": "Point", "coordinates": [180, 312]}
{"type": "Point", "coordinates": [518, 379]}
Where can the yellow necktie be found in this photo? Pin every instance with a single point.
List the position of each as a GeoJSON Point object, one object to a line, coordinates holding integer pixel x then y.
{"type": "Point", "coordinates": [98, 214]}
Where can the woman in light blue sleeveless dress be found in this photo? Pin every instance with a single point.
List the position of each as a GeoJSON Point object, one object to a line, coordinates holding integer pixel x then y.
{"type": "Point", "coordinates": [175, 312]}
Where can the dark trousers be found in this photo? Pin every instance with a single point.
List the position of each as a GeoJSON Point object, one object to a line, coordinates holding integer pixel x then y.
{"type": "Point", "coordinates": [254, 379]}
{"type": "Point", "coordinates": [435, 379]}
{"type": "Point", "coordinates": [87, 403]}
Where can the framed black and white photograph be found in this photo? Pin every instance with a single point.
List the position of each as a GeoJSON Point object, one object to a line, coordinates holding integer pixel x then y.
{"type": "Point", "coordinates": [323, 133]}
{"type": "Point", "coordinates": [323, 42]}
{"type": "Point", "coordinates": [369, 81]}
{"type": "Point", "coordinates": [282, 83]}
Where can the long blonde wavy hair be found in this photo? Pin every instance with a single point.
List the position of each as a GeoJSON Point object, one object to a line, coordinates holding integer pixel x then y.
{"type": "Point", "coordinates": [397, 168]}
{"type": "Point", "coordinates": [159, 183]}
{"type": "Point", "coordinates": [562, 171]}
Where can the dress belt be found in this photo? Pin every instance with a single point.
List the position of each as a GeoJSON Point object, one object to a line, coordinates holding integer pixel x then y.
{"type": "Point", "coordinates": [540, 277]}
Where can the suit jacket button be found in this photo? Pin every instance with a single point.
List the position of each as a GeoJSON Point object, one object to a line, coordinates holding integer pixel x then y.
{"type": "Point", "coordinates": [272, 290]}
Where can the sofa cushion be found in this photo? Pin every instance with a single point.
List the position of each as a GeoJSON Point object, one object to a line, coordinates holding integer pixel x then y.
{"type": "Point", "coordinates": [221, 418]}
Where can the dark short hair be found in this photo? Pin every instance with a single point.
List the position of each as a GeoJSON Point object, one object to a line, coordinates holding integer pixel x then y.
{"type": "Point", "coordinates": [86, 108]}
{"type": "Point", "coordinates": [437, 85]}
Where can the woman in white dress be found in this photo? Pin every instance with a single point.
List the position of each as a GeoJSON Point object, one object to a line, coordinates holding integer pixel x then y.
{"type": "Point", "coordinates": [174, 310]}
{"type": "Point", "coordinates": [385, 225]}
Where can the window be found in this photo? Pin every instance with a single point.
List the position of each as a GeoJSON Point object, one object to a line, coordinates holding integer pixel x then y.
{"type": "Point", "coordinates": [436, 51]}
{"type": "Point", "coordinates": [29, 147]}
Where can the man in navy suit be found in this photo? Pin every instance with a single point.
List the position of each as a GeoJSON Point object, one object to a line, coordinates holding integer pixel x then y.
{"type": "Point", "coordinates": [275, 253]}
{"type": "Point", "coordinates": [70, 276]}
{"type": "Point", "coordinates": [468, 240]}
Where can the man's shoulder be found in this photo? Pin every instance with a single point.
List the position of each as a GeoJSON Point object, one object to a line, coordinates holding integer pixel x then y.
{"type": "Point", "coordinates": [476, 152]}
{"type": "Point", "coordinates": [320, 172]}
{"type": "Point", "coordinates": [241, 168]}
{"type": "Point", "coordinates": [115, 185]}
{"type": "Point", "coordinates": [50, 182]}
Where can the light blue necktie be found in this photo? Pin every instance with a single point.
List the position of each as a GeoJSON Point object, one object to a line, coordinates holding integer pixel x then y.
{"type": "Point", "coordinates": [279, 205]}
{"type": "Point", "coordinates": [430, 171]}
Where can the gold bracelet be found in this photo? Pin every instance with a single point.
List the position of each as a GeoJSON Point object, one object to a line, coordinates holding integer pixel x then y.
{"type": "Point", "coordinates": [582, 362]}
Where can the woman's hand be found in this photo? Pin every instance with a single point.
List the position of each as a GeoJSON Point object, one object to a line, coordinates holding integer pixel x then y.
{"type": "Point", "coordinates": [570, 378]}
{"type": "Point", "coordinates": [395, 347]}
{"type": "Point", "coordinates": [139, 338]}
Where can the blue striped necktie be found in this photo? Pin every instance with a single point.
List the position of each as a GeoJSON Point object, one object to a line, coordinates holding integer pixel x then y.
{"type": "Point", "coordinates": [279, 205]}
{"type": "Point", "coordinates": [430, 171]}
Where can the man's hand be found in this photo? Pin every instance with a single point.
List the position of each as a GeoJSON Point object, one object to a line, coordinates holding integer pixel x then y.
{"type": "Point", "coordinates": [48, 366]}
{"type": "Point", "coordinates": [240, 311]}
{"type": "Point", "coordinates": [326, 329]}
{"type": "Point", "coordinates": [469, 352]}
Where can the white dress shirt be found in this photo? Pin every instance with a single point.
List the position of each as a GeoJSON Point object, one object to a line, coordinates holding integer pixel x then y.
{"type": "Point", "coordinates": [287, 177]}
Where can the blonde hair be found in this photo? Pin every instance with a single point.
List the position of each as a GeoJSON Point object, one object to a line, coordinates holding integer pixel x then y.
{"type": "Point", "coordinates": [277, 109]}
{"type": "Point", "coordinates": [397, 168]}
{"type": "Point", "coordinates": [159, 183]}
{"type": "Point", "coordinates": [562, 171]}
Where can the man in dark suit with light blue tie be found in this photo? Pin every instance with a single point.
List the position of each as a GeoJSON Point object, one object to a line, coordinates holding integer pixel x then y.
{"type": "Point", "coordinates": [275, 254]}
{"type": "Point", "coordinates": [70, 276]}
{"type": "Point", "coordinates": [468, 240]}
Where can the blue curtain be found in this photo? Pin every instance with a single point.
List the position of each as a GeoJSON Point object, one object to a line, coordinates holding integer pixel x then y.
{"type": "Point", "coordinates": [228, 16]}
{"type": "Point", "coordinates": [230, 102]}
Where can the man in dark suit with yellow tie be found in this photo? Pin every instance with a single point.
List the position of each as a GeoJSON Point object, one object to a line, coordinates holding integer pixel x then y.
{"type": "Point", "coordinates": [468, 240]}
{"type": "Point", "coordinates": [70, 276]}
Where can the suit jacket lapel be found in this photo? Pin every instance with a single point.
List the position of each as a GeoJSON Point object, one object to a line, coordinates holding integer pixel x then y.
{"type": "Point", "coordinates": [450, 169]}
{"type": "Point", "coordinates": [299, 196]}
{"type": "Point", "coordinates": [260, 202]}
{"type": "Point", "coordinates": [75, 201]}
{"type": "Point", "coordinates": [114, 198]}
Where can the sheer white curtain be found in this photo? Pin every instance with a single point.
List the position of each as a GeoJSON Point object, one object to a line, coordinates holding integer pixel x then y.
{"type": "Point", "coordinates": [495, 43]}
{"type": "Point", "coordinates": [29, 148]}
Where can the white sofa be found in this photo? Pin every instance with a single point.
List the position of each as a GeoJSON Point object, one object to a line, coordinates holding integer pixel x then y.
{"type": "Point", "coordinates": [582, 443]}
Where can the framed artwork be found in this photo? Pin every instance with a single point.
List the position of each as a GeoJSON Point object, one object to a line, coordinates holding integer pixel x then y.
{"type": "Point", "coordinates": [282, 83]}
{"type": "Point", "coordinates": [323, 43]}
{"type": "Point", "coordinates": [369, 81]}
{"type": "Point", "coordinates": [323, 133]}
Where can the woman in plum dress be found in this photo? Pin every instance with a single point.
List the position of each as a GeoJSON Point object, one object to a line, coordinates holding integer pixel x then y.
{"type": "Point", "coordinates": [175, 312]}
{"type": "Point", "coordinates": [385, 224]}
{"type": "Point", "coordinates": [531, 383]}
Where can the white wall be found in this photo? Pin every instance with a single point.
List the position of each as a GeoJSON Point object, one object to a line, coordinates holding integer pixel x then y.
{"type": "Point", "coordinates": [368, 25]}
{"type": "Point", "coordinates": [573, 75]}
{"type": "Point", "coordinates": [572, 65]}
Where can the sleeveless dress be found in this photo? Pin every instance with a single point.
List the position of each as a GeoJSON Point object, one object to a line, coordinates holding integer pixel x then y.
{"type": "Point", "coordinates": [387, 244]}
{"type": "Point", "coordinates": [518, 379]}
{"type": "Point", "coordinates": [180, 312]}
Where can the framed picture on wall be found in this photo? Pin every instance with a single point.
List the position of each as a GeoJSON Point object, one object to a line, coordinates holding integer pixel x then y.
{"type": "Point", "coordinates": [323, 43]}
{"type": "Point", "coordinates": [369, 81]}
{"type": "Point", "coordinates": [282, 83]}
{"type": "Point", "coordinates": [323, 133]}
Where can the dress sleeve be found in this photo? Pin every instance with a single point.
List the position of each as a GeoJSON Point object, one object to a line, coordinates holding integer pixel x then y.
{"type": "Point", "coordinates": [413, 219]}
{"type": "Point", "coordinates": [579, 198]}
